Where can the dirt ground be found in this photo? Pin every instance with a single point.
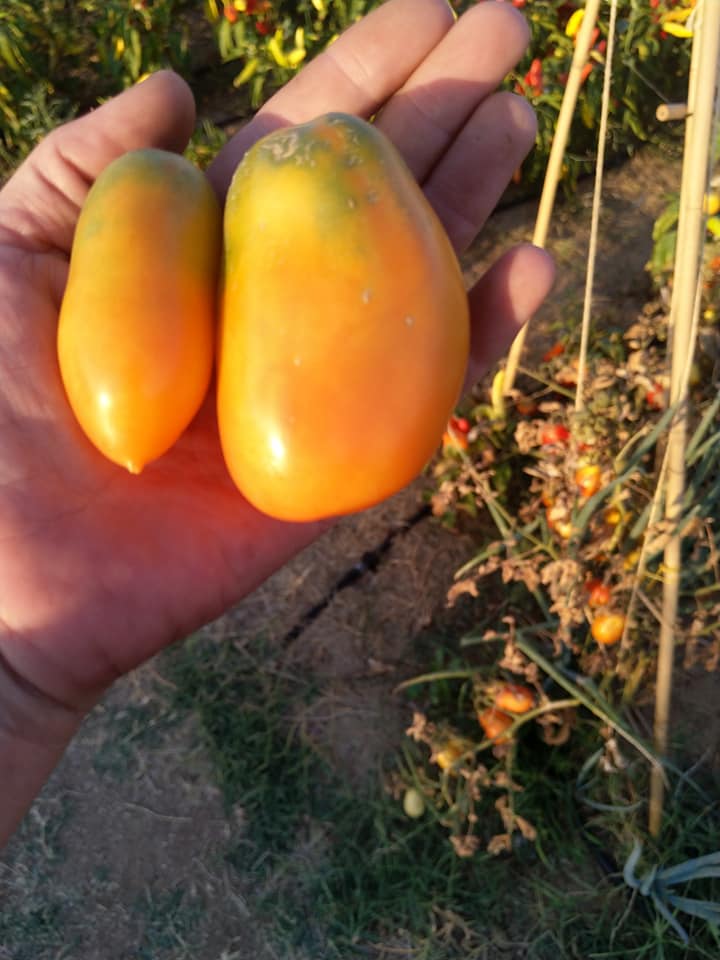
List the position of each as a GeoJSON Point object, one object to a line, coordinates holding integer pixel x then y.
{"type": "Point", "coordinates": [127, 821]}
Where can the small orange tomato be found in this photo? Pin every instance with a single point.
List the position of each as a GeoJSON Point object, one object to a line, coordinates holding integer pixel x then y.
{"type": "Point", "coordinates": [598, 593]}
{"type": "Point", "coordinates": [515, 698]}
{"type": "Point", "coordinates": [587, 478]}
{"type": "Point", "coordinates": [453, 442]}
{"type": "Point", "coordinates": [607, 628]}
{"type": "Point", "coordinates": [547, 497]}
{"type": "Point", "coordinates": [448, 754]}
{"type": "Point", "coordinates": [613, 516]}
{"type": "Point", "coordinates": [557, 520]}
{"type": "Point", "coordinates": [495, 723]}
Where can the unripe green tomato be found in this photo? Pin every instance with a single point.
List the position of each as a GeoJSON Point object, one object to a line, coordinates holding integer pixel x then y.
{"type": "Point", "coordinates": [413, 803]}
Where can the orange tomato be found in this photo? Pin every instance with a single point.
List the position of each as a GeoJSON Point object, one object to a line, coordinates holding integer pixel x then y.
{"type": "Point", "coordinates": [137, 323]}
{"type": "Point", "coordinates": [495, 723]}
{"type": "Point", "coordinates": [447, 755]}
{"type": "Point", "coordinates": [607, 628]}
{"type": "Point", "coordinates": [558, 520]}
{"type": "Point", "coordinates": [453, 442]}
{"type": "Point", "coordinates": [612, 516]}
{"type": "Point", "coordinates": [587, 478]}
{"type": "Point", "coordinates": [345, 324]}
{"type": "Point", "coordinates": [547, 497]}
{"type": "Point", "coordinates": [515, 698]}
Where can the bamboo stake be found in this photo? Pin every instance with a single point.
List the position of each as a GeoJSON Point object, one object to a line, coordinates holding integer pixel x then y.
{"type": "Point", "coordinates": [555, 161]}
{"type": "Point", "coordinates": [595, 217]}
{"type": "Point", "coordinates": [684, 305]}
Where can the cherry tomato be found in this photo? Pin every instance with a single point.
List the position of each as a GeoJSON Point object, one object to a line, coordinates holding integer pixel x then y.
{"type": "Point", "coordinates": [460, 424]}
{"type": "Point", "coordinates": [556, 350]}
{"type": "Point", "coordinates": [557, 520]}
{"type": "Point", "coordinates": [447, 756]}
{"type": "Point", "coordinates": [554, 433]}
{"type": "Point", "coordinates": [598, 593]}
{"type": "Point", "coordinates": [515, 698]}
{"type": "Point", "coordinates": [494, 723]}
{"type": "Point", "coordinates": [655, 396]}
{"type": "Point", "coordinates": [453, 442]}
{"type": "Point", "coordinates": [607, 628]}
{"type": "Point", "coordinates": [613, 516]}
{"type": "Point", "coordinates": [587, 478]}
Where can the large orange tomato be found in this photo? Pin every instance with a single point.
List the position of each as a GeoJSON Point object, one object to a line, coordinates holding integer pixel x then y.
{"type": "Point", "coordinates": [344, 322]}
{"type": "Point", "coordinates": [137, 323]}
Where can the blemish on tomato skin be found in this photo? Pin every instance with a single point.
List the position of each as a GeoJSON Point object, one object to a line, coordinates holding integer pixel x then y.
{"type": "Point", "coordinates": [366, 295]}
{"type": "Point", "coordinates": [409, 321]}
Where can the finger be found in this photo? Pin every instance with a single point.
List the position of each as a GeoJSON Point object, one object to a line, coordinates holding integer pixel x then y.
{"type": "Point", "coordinates": [356, 74]}
{"type": "Point", "coordinates": [502, 301]}
{"type": "Point", "coordinates": [41, 202]}
{"type": "Point", "coordinates": [444, 91]}
{"type": "Point", "coordinates": [469, 180]}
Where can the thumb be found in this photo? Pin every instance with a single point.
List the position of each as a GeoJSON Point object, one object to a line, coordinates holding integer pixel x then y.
{"type": "Point", "coordinates": [39, 205]}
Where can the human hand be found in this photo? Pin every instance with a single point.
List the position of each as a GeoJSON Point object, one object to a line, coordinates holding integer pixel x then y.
{"type": "Point", "coordinates": [100, 569]}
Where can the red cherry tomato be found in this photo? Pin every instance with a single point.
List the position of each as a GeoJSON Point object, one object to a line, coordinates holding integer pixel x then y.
{"type": "Point", "coordinates": [554, 433]}
{"type": "Point", "coordinates": [556, 350]}
{"type": "Point", "coordinates": [598, 593]}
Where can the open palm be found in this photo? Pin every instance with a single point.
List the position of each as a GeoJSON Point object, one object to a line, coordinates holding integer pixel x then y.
{"type": "Point", "coordinates": [100, 569]}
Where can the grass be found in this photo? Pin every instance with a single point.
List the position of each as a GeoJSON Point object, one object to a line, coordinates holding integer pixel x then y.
{"type": "Point", "coordinates": [170, 920]}
{"type": "Point", "coordinates": [326, 869]}
{"type": "Point", "coordinates": [31, 911]}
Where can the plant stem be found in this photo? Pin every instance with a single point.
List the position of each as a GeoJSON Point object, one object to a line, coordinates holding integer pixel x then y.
{"type": "Point", "coordinates": [684, 312]}
{"type": "Point", "coordinates": [555, 161]}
